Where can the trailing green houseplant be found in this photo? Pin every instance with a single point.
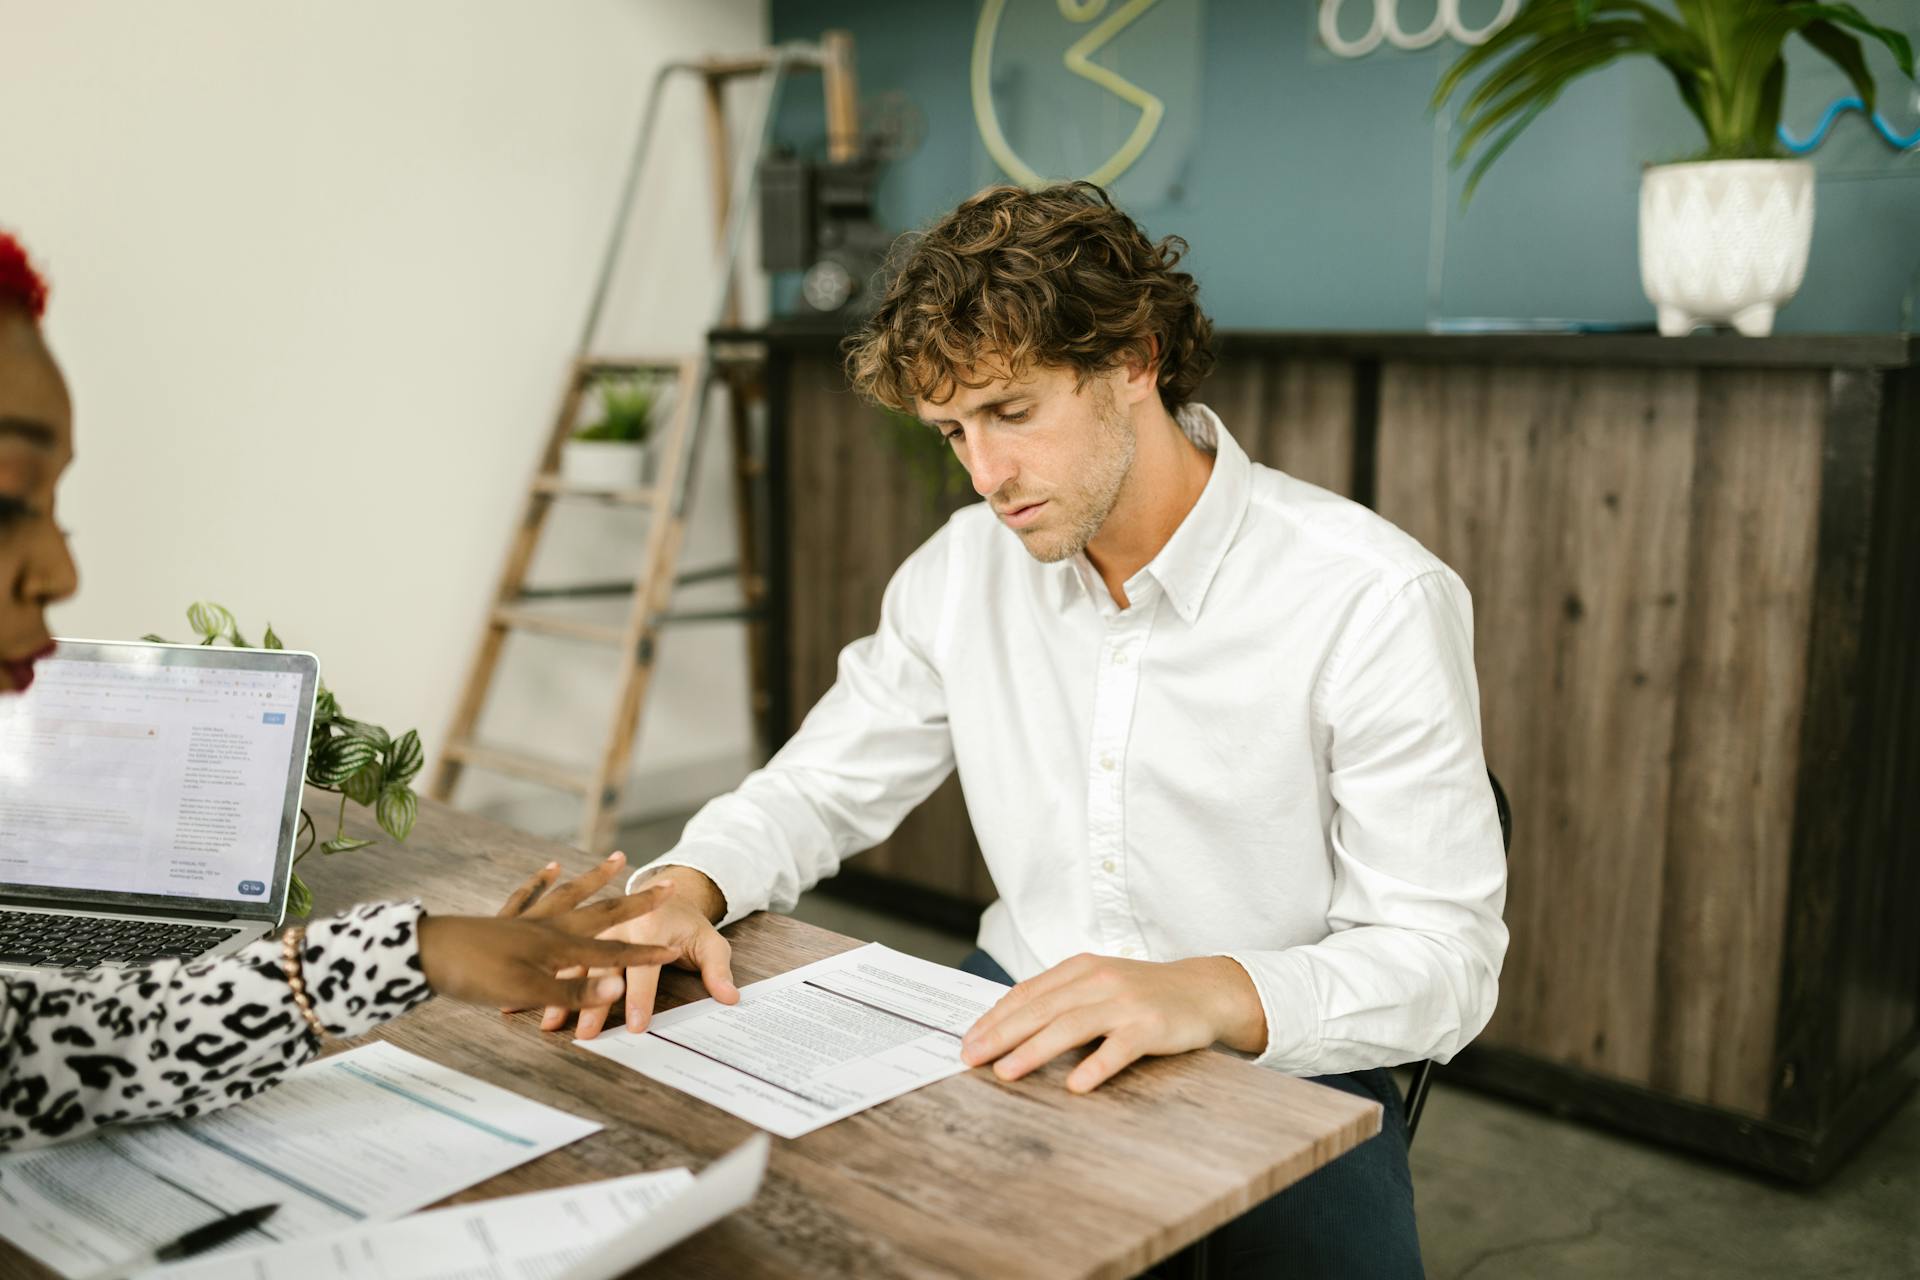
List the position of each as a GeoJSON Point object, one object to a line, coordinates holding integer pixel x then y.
{"type": "Point", "coordinates": [354, 759]}
{"type": "Point", "coordinates": [1727, 59]}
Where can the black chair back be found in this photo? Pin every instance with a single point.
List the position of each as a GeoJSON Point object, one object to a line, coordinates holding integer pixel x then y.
{"type": "Point", "coordinates": [1423, 1074]}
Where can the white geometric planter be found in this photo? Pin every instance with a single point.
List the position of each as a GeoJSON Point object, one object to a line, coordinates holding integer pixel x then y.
{"type": "Point", "coordinates": [603, 464]}
{"type": "Point", "coordinates": [1724, 241]}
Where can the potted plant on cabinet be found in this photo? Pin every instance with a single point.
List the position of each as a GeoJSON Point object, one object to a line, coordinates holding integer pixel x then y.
{"type": "Point", "coordinates": [1723, 235]}
{"type": "Point", "coordinates": [611, 453]}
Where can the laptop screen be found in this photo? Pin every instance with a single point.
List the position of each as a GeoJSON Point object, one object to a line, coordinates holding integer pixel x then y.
{"type": "Point", "coordinates": [155, 775]}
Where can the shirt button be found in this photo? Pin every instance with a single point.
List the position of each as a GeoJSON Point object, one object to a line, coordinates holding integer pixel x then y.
{"type": "Point", "coordinates": [1106, 762]}
{"type": "Point", "coordinates": [1120, 658]}
{"type": "Point", "coordinates": [1107, 866]}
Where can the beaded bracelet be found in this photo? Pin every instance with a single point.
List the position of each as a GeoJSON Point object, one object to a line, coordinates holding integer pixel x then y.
{"type": "Point", "coordinates": [290, 946]}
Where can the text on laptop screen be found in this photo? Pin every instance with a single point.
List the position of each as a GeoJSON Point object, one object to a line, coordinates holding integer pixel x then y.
{"type": "Point", "coordinates": [165, 780]}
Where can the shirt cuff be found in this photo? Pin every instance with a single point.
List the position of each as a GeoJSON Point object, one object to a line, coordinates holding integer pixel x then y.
{"type": "Point", "coordinates": [734, 874]}
{"type": "Point", "coordinates": [362, 966]}
{"type": "Point", "coordinates": [1284, 983]}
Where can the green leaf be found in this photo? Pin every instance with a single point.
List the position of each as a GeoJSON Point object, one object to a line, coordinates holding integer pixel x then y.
{"type": "Point", "coordinates": [362, 729]}
{"type": "Point", "coordinates": [299, 897]}
{"type": "Point", "coordinates": [341, 758]}
{"type": "Point", "coordinates": [1541, 84]}
{"type": "Point", "coordinates": [1844, 52]}
{"type": "Point", "coordinates": [326, 709]}
{"type": "Point", "coordinates": [270, 640]}
{"type": "Point", "coordinates": [151, 638]}
{"type": "Point", "coordinates": [398, 809]}
{"type": "Point", "coordinates": [1846, 15]}
{"type": "Point", "coordinates": [1595, 47]}
{"type": "Point", "coordinates": [1686, 78]}
{"type": "Point", "coordinates": [344, 844]}
{"type": "Point", "coordinates": [209, 621]}
{"type": "Point", "coordinates": [1499, 147]}
{"type": "Point", "coordinates": [363, 788]}
{"type": "Point", "coordinates": [404, 761]}
{"type": "Point", "coordinates": [1766, 118]}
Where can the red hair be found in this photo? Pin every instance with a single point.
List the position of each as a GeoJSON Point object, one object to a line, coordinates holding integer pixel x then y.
{"type": "Point", "coordinates": [19, 282]}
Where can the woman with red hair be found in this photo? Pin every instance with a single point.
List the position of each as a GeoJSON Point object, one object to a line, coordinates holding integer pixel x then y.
{"type": "Point", "coordinates": [203, 1035]}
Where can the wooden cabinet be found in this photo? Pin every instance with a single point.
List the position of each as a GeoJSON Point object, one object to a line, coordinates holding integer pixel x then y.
{"type": "Point", "coordinates": [1694, 565]}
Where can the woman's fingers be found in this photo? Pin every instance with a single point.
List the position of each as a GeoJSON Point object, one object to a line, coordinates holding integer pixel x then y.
{"type": "Point", "coordinates": [580, 888]}
{"type": "Point", "coordinates": [593, 1013]}
{"type": "Point", "coordinates": [598, 917]}
{"type": "Point", "coordinates": [529, 891]}
{"type": "Point", "coordinates": [608, 953]}
{"type": "Point", "coordinates": [556, 1015]}
{"type": "Point", "coordinates": [582, 992]}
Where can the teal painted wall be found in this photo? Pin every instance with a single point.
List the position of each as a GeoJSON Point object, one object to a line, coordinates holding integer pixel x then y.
{"type": "Point", "coordinates": [1314, 189]}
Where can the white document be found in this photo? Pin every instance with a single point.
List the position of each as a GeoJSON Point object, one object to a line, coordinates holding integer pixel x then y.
{"type": "Point", "coordinates": [529, 1237]}
{"type": "Point", "coordinates": [727, 1184]}
{"type": "Point", "coordinates": [592, 1232]}
{"type": "Point", "coordinates": [363, 1136]}
{"type": "Point", "coordinates": [816, 1044]}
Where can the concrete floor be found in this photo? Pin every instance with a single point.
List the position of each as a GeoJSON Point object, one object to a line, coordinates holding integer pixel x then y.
{"type": "Point", "coordinates": [1506, 1192]}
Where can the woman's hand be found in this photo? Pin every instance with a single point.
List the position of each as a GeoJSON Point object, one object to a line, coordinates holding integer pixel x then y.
{"type": "Point", "coordinates": [510, 960]}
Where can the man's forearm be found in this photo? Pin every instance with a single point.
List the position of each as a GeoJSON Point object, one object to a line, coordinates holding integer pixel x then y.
{"type": "Point", "coordinates": [693, 888]}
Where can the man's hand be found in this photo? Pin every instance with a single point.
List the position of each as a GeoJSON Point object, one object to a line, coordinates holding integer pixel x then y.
{"type": "Point", "coordinates": [683, 926]}
{"type": "Point", "coordinates": [1135, 1007]}
{"type": "Point", "coordinates": [511, 959]}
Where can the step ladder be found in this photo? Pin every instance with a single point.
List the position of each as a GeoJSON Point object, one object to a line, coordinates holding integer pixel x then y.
{"type": "Point", "coordinates": [516, 606]}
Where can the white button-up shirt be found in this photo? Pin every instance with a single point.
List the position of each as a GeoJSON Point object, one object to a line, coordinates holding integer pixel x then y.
{"type": "Point", "coordinates": [1272, 754]}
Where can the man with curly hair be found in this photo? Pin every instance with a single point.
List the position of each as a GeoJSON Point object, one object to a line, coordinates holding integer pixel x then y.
{"type": "Point", "coordinates": [1218, 729]}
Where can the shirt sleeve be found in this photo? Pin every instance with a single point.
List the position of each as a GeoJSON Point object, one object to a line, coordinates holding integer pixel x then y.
{"type": "Point", "coordinates": [870, 751]}
{"type": "Point", "coordinates": [80, 1050]}
{"type": "Point", "coordinates": [1410, 968]}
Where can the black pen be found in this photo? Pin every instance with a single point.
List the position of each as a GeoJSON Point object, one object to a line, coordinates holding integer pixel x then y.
{"type": "Point", "coordinates": [201, 1239]}
{"type": "Point", "coordinates": [198, 1240]}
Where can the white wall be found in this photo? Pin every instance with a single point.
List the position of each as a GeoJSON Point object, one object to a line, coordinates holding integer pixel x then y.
{"type": "Point", "coordinates": [317, 271]}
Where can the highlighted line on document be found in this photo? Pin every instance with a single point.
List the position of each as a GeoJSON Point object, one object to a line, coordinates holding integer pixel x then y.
{"type": "Point", "coordinates": [816, 1044]}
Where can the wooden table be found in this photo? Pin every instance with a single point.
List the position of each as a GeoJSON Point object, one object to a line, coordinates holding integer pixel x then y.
{"type": "Point", "coordinates": [967, 1177]}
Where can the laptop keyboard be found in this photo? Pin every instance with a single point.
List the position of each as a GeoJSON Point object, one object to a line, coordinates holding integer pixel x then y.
{"type": "Point", "coordinates": [80, 942]}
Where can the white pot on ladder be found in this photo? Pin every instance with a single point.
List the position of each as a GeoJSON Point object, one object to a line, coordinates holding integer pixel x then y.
{"type": "Point", "coordinates": [1724, 241]}
{"type": "Point", "coordinates": [603, 464]}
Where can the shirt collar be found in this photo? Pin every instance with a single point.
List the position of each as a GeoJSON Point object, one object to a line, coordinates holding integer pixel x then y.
{"type": "Point", "coordinates": [1186, 566]}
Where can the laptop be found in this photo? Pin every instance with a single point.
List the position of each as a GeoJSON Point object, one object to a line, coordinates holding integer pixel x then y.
{"type": "Point", "coordinates": [149, 801]}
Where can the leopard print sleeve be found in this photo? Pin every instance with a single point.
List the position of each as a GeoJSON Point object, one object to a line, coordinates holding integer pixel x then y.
{"type": "Point", "coordinates": [78, 1050]}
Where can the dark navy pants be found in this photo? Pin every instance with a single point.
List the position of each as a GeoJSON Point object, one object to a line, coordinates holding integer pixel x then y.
{"type": "Point", "coordinates": [1351, 1220]}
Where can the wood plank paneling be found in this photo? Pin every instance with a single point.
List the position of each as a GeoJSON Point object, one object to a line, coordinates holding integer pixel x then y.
{"type": "Point", "coordinates": [1880, 965]}
{"type": "Point", "coordinates": [1849, 986]}
{"type": "Point", "coordinates": [1561, 497]}
{"type": "Point", "coordinates": [859, 510]}
{"type": "Point", "coordinates": [1736, 742]}
{"type": "Point", "coordinates": [1293, 415]}
{"type": "Point", "coordinates": [1692, 567]}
